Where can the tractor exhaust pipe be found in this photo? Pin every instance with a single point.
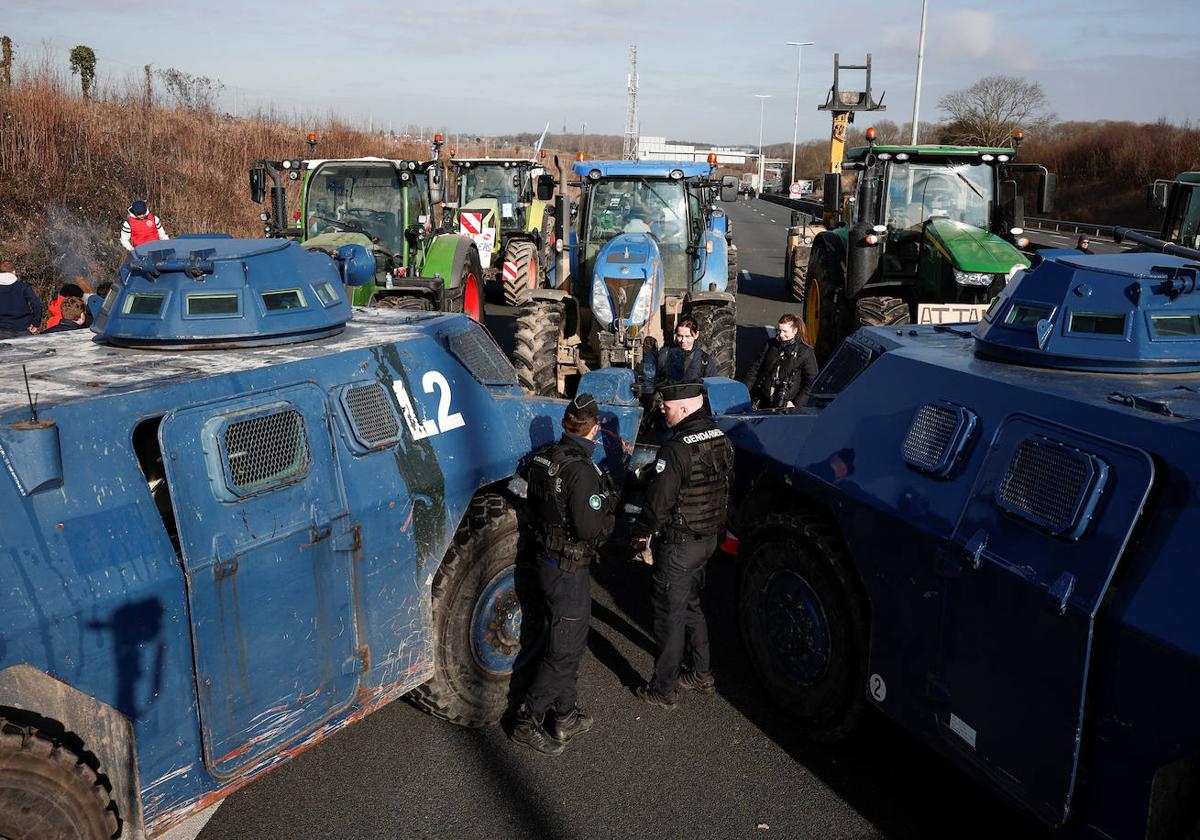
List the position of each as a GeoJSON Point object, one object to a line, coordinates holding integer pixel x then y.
{"type": "Point", "coordinates": [1120, 234]}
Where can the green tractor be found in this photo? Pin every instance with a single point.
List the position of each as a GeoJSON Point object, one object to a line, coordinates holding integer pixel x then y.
{"type": "Point", "coordinates": [931, 236]}
{"type": "Point", "coordinates": [387, 207]}
{"type": "Point", "coordinates": [505, 206]}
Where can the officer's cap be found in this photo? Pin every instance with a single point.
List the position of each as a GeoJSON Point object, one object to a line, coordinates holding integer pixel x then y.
{"type": "Point", "coordinates": [584, 407]}
{"type": "Point", "coordinates": [685, 390]}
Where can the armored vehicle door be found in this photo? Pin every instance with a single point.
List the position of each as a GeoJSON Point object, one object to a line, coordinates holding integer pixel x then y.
{"type": "Point", "coordinates": [266, 547]}
{"type": "Point", "coordinates": [1033, 554]}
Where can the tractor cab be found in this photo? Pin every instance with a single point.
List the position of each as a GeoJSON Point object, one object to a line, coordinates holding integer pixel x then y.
{"type": "Point", "coordinates": [386, 206]}
{"type": "Point", "coordinates": [1180, 198]}
{"type": "Point", "coordinates": [506, 187]}
{"type": "Point", "coordinates": [932, 236]}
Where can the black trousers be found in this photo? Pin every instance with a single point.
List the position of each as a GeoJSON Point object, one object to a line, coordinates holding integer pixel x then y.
{"type": "Point", "coordinates": [568, 600]}
{"type": "Point", "coordinates": [679, 624]}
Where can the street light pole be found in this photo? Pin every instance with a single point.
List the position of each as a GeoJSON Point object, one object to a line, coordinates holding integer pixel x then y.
{"type": "Point", "coordinates": [762, 102]}
{"type": "Point", "coordinates": [800, 45]}
{"type": "Point", "coordinates": [920, 66]}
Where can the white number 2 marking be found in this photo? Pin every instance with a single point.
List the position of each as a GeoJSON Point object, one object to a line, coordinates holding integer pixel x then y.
{"type": "Point", "coordinates": [445, 422]}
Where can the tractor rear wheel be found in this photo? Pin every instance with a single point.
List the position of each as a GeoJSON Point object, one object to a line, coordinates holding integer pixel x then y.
{"type": "Point", "coordinates": [718, 334]}
{"type": "Point", "coordinates": [467, 298]}
{"type": "Point", "coordinates": [404, 302]}
{"type": "Point", "coordinates": [804, 622]}
{"type": "Point", "coordinates": [487, 623]}
{"type": "Point", "coordinates": [732, 285]}
{"type": "Point", "coordinates": [881, 311]}
{"type": "Point", "coordinates": [535, 352]}
{"type": "Point", "coordinates": [824, 289]}
{"type": "Point", "coordinates": [524, 255]}
{"type": "Point", "coordinates": [47, 792]}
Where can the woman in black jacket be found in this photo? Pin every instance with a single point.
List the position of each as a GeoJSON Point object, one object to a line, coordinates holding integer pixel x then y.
{"type": "Point", "coordinates": [783, 374]}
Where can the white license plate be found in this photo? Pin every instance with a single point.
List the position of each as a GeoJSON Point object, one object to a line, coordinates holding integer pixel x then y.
{"type": "Point", "coordinates": [950, 313]}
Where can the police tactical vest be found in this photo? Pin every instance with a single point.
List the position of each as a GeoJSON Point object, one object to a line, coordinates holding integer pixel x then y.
{"type": "Point", "coordinates": [704, 496]}
{"type": "Point", "coordinates": [548, 495]}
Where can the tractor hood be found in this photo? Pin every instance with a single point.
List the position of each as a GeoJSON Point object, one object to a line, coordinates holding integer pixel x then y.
{"type": "Point", "coordinates": [972, 249]}
{"type": "Point", "coordinates": [627, 280]}
{"type": "Point", "coordinates": [336, 239]}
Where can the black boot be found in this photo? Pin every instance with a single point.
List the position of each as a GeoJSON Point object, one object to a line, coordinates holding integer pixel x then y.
{"type": "Point", "coordinates": [699, 681]}
{"type": "Point", "coordinates": [567, 726]}
{"type": "Point", "coordinates": [530, 730]}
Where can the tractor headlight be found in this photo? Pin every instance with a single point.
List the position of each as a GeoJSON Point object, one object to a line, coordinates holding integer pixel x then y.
{"type": "Point", "coordinates": [641, 306]}
{"type": "Point", "coordinates": [972, 278]}
{"type": "Point", "coordinates": [601, 307]}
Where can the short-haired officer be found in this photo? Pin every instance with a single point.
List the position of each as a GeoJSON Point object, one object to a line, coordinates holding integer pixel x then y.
{"type": "Point", "coordinates": [686, 499]}
{"type": "Point", "coordinates": [571, 502]}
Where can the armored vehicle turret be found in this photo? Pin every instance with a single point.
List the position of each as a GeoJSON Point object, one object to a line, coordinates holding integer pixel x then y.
{"type": "Point", "coordinates": [988, 534]}
{"type": "Point", "coordinates": [214, 559]}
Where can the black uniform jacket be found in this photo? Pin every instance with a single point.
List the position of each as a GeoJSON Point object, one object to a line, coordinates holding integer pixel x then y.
{"type": "Point", "coordinates": [794, 372]}
{"type": "Point", "coordinates": [590, 520]}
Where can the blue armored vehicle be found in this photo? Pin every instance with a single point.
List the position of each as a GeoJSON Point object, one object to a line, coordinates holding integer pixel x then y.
{"type": "Point", "coordinates": [649, 247]}
{"type": "Point", "coordinates": [237, 520]}
{"type": "Point", "coordinates": [987, 532]}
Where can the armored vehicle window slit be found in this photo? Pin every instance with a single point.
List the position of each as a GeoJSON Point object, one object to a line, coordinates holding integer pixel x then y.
{"type": "Point", "coordinates": [150, 460]}
{"type": "Point", "coordinates": [212, 304]}
{"type": "Point", "coordinates": [143, 304]}
{"type": "Point", "coordinates": [1097, 323]}
{"type": "Point", "coordinates": [1027, 315]}
{"type": "Point", "coordinates": [280, 299]}
{"type": "Point", "coordinates": [326, 293]}
{"type": "Point", "coordinates": [1052, 486]}
{"type": "Point", "coordinates": [373, 418]}
{"type": "Point", "coordinates": [847, 362]}
{"type": "Point", "coordinates": [1175, 326]}
{"type": "Point", "coordinates": [475, 348]}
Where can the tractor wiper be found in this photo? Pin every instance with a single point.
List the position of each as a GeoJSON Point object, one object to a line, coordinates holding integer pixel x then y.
{"type": "Point", "coordinates": [967, 181]}
{"type": "Point", "coordinates": [654, 192]}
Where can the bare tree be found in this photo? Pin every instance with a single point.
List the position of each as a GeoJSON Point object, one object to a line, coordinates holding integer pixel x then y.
{"type": "Point", "coordinates": [6, 61]}
{"type": "Point", "coordinates": [987, 112]}
{"type": "Point", "coordinates": [197, 94]}
{"type": "Point", "coordinates": [148, 90]}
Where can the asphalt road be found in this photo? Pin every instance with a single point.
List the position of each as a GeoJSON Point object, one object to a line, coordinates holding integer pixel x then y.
{"type": "Point", "coordinates": [720, 766]}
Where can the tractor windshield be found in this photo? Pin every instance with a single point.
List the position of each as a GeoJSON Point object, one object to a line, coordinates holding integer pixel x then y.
{"type": "Point", "coordinates": [1182, 224]}
{"type": "Point", "coordinates": [917, 192]}
{"type": "Point", "coordinates": [504, 185]}
{"type": "Point", "coordinates": [356, 197]}
{"type": "Point", "coordinates": [642, 205]}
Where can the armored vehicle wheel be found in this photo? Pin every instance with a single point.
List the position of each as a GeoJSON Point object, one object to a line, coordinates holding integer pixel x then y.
{"type": "Point", "coordinates": [718, 334]}
{"type": "Point", "coordinates": [467, 297]}
{"type": "Point", "coordinates": [47, 792]}
{"type": "Point", "coordinates": [516, 289]}
{"type": "Point", "coordinates": [405, 302]}
{"type": "Point", "coordinates": [824, 286]}
{"type": "Point", "coordinates": [481, 636]}
{"type": "Point", "coordinates": [881, 311]}
{"type": "Point", "coordinates": [732, 285]}
{"type": "Point", "coordinates": [535, 353]}
{"type": "Point", "coordinates": [804, 623]}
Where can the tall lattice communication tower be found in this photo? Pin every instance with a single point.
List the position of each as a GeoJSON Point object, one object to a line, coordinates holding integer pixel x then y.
{"type": "Point", "coordinates": [630, 152]}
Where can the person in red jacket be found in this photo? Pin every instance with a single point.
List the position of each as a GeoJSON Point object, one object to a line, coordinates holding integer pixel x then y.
{"type": "Point", "coordinates": [141, 226]}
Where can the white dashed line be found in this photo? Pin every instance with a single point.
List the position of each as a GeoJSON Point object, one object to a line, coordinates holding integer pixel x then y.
{"type": "Point", "coordinates": [774, 222]}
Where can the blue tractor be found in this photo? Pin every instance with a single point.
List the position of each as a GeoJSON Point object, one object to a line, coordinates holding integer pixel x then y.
{"type": "Point", "coordinates": [214, 559]}
{"type": "Point", "coordinates": [649, 246]}
{"type": "Point", "coordinates": [988, 533]}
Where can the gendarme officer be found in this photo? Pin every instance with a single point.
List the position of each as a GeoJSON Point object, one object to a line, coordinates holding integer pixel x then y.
{"type": "Point", "coordinates": [686, 498]}
{"type": "Point", "coordinates": [571, 501]}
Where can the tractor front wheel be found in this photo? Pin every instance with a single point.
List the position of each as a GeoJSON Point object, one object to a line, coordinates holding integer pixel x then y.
{"type": "Point", "coordinates": [521, 255]}
{"type": "Point", "coordinates": [881, 311]}
{"type": "Point", "coordinates": [535, 354]}
{"type": "Point", "coordinates": [405, 302]}
{"type": "Point", "coordinates": [718, 334]}
{"type": "Point", "coordinates": [732, 285]}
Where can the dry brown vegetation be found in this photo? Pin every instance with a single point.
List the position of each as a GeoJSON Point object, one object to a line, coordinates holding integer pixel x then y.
{"type": "Point", "coordinates": [72, 166]}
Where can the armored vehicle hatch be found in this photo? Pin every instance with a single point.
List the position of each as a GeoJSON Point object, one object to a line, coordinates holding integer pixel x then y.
{"type": "Point", "coordinates": [203, 292]}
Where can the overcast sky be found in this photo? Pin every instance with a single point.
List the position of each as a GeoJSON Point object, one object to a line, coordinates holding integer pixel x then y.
{"type": "Point", "coordinates": [496, 67]}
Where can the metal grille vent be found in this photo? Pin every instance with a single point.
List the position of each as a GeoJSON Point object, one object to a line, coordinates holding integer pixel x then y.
{"type": "Point", "coordinates": [936, 437]}
{"type": "Point", "coordinates": [476, 349]}
{"type": "Point", "coordinates": [1052, 486]}
{"type": "Point", "coordinates": [371, 413]}
{"type": "Point", "coordinates": [266, 450]}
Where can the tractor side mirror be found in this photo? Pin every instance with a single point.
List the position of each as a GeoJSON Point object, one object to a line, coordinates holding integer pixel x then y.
{"type": "Point", "coordinates": [1046, 189]}
{"type": "Point", "coordinates": [832, 198]}
{"type": "Point", "coordinates": [729, 188]}
{"type": "Point", "coordinates": [258, 184]}
{"type": "Point", "coordinates": [435, 186]}
{"type": "Point", "coordinates": [1156, 195]}
{"type": "Point", "coordinates": [545, 187]}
